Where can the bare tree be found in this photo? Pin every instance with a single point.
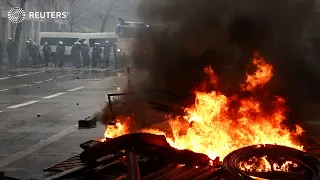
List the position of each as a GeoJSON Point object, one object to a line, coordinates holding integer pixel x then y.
{"type": "Point", "coordinates": [77, 9]}
{"type": "Point", "coordinates": [105, 11]}
{"type": "Point", "coordinates": [22, 4]}
{"type": "Point", "coordinates": [102, 11]}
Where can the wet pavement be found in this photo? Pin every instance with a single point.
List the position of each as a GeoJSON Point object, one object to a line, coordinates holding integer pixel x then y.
{"type": "Point", "coordinates": [39, 112]}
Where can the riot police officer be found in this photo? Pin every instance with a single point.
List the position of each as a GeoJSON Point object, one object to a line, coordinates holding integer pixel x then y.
{"type": "Point", "coordinates": [46, 53]}
{"type": "Point", "coordinates": [75, 54]}
{"type": "Point", "coordinates": [9, 49]}
{"type": "Point", "coordinates": [106, 53]}
{"type": "Point", "coordinates": [85, 49]}
{"type": "Point", "coordinates": [1, 53]}
{"type": "Point", "coordinates": [29, 46]}
{"type": "Point", "coordinates": [96, 54]}
{"type": "Point", "coordinates": [35, 53]}
{"type": "Point", "coordinates": [61, 49]}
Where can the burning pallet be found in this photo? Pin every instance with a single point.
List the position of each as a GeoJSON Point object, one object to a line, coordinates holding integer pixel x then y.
{"type": "Point", "coordinates": [216, 125]}
{"type": "Point", "coordinates": [148, 157]}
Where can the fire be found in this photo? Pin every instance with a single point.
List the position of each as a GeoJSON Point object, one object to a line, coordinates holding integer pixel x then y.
{"type": "Point", "coordinates": [217, 127]}
{"type": "Point", "coordinates": [116, 130]}
{"type": "Point", "coordinates": [260, 77]}
{"type": "Point", "coordinates": [263, 165]}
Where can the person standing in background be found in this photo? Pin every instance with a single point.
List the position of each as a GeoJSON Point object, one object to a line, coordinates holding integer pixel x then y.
{"type": "Point", "coordinates": [85, 50]}
{"type": "Point", "coordinates": [106, 53]}
{"type": "Point", "coordinates": [61, 49]}
{"type": "Point", "coordinates": [9, 50]}
{"type": "Point", "coordinates": [1, 53]}
{"type": "Point", "coordinates": [46, 53]}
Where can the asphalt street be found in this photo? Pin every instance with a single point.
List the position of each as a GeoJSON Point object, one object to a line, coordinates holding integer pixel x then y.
{"type": "Point", "coordinates": [39, 112]}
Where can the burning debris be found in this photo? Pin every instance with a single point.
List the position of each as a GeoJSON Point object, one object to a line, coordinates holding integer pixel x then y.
{"type": "Point", "coordinates": [148, 157]}
{"type": "Point", "coordinates": [217, 124]}
{"type": "Point", "coordinates": [251, 140]}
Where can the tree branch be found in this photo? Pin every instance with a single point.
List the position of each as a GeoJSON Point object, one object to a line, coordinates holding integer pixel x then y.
{"type": "Point", "coordinates": [8, 2]}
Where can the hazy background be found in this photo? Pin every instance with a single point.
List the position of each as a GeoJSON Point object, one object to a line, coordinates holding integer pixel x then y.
{"type": "Point", "coordinates": [93, 14]}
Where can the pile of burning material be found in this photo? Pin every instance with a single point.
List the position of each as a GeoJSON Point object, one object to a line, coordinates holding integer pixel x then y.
{"type": "Point", "coordinates": [149, 157]}
{"type": "Point", "coordinates": [217, 124]}
{"type": "Point", "coordinates": [239, 137]}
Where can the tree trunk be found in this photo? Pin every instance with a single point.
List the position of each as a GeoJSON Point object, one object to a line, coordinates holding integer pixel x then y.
{"type": "Point", "coordinates": [104, 22]}
{"type": "Point", "coordinates": [106, 17]}
{"type": "Point", "coordinates": [16, 42]}
{"type": "Point", "coordinates": [71, 27]}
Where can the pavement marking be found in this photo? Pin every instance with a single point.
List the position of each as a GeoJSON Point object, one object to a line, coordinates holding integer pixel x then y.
{"type": "Point", "coordinates": [36, 72]}
{"type": "Point", "coordinates": [21, 75]}
{"type": "Point", "coordinates": [76, 89]}
{"type": "Point", "coordinates": [59, 77]}
{"type": "Point", "coordinates": [38, 82]}
{"type": "Point", "coordinates": [54, 95]}
{"type": "Point", "coordinates": [24, 85]}
{"type": "Point", "coordinates": [14, 157]}
{"type": "Point", "coordinates": [3, 90]}
{"type": "Point", "coordinates": [4, 78]}
{"type": "Point", "coordinates": [48, 80]}
{"type": "Point", "coordinates": [23, 104]}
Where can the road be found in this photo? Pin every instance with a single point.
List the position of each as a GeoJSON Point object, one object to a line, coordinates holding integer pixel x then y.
{"type": "Point", "coordinates": [40, 107]}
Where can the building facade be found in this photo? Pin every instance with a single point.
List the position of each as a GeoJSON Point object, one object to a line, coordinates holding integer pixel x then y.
{"type": "Point", "coordinates": [31, 28]}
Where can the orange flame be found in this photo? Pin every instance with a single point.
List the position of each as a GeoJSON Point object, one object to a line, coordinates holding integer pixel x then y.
{"type": "Point", "coordinates": [263, 165]}
{"type": "Point", "coordinates": [261, 76]}
{"type": "Point", "coordinates": [216, 128]}
{"type": "Point", "coordinates": [116, 130]}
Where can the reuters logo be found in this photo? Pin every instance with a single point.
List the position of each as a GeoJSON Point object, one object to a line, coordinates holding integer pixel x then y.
{"type": "Point", "coordinates": [16, 15]}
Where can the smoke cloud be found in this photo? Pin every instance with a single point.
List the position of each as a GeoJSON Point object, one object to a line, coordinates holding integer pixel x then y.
{"type": "Point", "coordinates": [224, 34]}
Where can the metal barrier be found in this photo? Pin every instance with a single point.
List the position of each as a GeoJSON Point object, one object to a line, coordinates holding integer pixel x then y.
{"type": "Point", "coordinates": [116, 97]}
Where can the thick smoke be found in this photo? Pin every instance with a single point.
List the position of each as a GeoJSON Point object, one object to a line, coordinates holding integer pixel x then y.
{"type": "Point", "coordinates": [223, 34]}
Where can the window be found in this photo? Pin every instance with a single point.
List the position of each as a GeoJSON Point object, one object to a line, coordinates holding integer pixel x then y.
{"type": "Point", "coordinates": [55, 41]}
{"type": "Point", "coordinates": [102, 41]}
{"type": "Point", "coordinates": [50, 27]}
{"type": "Point", "coordinates": [43, 27]}
{"type": "Point", "coordinates": [130, 32]}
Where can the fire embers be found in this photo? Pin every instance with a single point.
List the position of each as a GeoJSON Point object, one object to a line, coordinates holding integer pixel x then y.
{"type": "Point", "coordinates": [271, 162]}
